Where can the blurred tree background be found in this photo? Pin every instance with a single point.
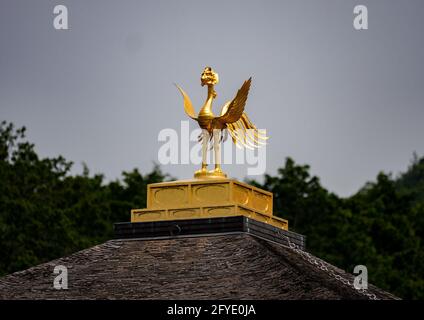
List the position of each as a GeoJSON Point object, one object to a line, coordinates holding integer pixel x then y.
{"type": "Point", "coordinates": [46, 213]}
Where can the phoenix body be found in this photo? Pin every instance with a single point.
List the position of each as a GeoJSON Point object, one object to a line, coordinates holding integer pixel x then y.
{"type": "Point", "coordinates": [232, 120]}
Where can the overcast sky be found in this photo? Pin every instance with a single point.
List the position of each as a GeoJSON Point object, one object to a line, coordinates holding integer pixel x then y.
{"type": "Point", "coordinates": [347, 102]}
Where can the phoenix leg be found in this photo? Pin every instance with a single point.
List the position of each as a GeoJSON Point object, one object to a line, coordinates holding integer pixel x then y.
{"type": "Point", "coordinates": [205, 140]}
{"type": "Point", "coordinates": [217, 149]}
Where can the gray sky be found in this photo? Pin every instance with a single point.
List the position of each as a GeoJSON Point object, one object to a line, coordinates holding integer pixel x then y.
{"type": "Point", "coordinates": [347, 102]}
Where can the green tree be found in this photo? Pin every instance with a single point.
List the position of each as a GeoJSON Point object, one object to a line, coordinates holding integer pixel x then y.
{"type": "Point", "coordinates": [30, 225]}
{"type": "Point", "coordinates": [381, 226]}
{"type": "Point", "coordinates": [47, 213]}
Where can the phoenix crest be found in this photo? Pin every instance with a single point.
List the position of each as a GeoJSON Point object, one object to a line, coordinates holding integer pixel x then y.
{"type": "Point", "coordinates": [232, 120]}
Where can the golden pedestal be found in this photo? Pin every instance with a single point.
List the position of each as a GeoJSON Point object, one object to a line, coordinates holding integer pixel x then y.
{"type": "Point", "coordinates": [202, 199]}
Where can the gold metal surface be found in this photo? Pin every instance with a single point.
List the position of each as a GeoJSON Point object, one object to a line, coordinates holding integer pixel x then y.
{"type": "Point", "coordinates": [232, 118]}
{"type": "Point", "coordinates": [198, 199]}
{"type": "Point", "coordinates": [211, 194]}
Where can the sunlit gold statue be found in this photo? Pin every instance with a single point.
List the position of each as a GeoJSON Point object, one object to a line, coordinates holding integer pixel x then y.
{"type": "Point", "coordinates": [232, 117]}
{"type": "Point", "coordinates": [212, 194]}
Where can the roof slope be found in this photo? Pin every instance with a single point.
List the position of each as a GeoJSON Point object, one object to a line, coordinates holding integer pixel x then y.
{"type": "Point", "coordinates": [227, 266]}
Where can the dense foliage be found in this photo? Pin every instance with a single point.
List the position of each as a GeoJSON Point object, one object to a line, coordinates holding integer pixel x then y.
{"type": "Point", "coordinates": [381, 226]}
{"type": "Point", "coordinates": [45, 213]}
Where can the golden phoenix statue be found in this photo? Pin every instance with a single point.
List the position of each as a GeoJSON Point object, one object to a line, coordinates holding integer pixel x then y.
{"type": "Point", "coordinates": [232, 120]}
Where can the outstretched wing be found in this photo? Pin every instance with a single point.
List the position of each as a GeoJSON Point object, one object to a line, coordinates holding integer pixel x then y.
{"type": "Point", "coordinates": [188, 106]}
{"type": "Point", "coordinates": [232, 111]}
{"type": "Point", "coordinates": [244, 133]}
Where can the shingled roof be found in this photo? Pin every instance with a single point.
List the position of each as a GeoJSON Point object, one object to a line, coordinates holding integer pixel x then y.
{"type": "Point", "coordinates": [220, 265]}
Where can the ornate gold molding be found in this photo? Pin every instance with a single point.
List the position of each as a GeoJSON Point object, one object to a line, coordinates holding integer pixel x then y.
{"type": "Point", "coordinates": [197, 199]}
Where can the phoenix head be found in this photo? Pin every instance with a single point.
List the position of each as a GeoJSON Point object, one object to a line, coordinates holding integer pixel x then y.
{"type": "Point", "coordinates": [209, 77]}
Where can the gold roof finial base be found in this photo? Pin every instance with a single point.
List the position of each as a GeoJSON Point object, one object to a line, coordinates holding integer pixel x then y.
{"type": "Point", "coordinates": [207, 198]}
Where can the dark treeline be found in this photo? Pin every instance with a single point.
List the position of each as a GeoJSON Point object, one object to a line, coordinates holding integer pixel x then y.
{"type": "Point", "coordinates": [46, 213]}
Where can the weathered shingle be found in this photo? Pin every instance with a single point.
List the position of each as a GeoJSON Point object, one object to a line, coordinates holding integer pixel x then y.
{"type": "Point", "coordinates": [227, 266]}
